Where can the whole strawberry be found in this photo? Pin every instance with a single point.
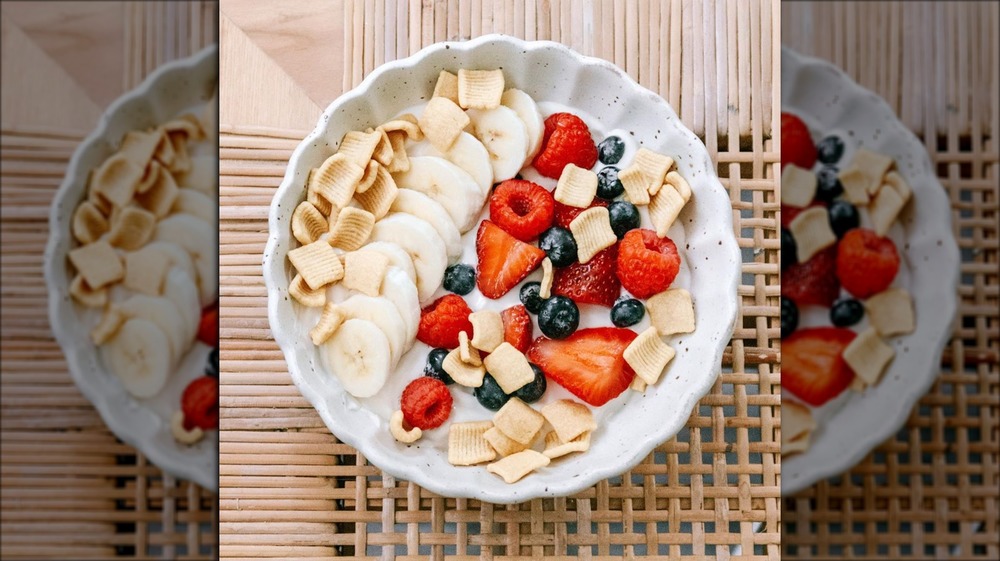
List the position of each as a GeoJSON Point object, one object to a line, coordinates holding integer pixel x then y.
{"type": "Point", "coordinates": [567, 140]}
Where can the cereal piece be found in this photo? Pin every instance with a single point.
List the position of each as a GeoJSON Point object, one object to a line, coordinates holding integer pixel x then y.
{"type": "Point", "coordinates": [352, 228]}
{"type": "Point", "coordinates": [884, 209]}
{"type": "Point", "coordinates": [405, 124]}
{"type": "Point", "coordinates": [509, 368]}
{"type": "Point", "coordinates": [87, 296]}
{"type": "Point", "coordinates": [664, 208]}
{"type": "Point", "coordinates": [364, 271]}
{"type": "Point", "coordinates": [796, 421]}
{"type": "Point", "coordinates": [652, 164]}
{"type": "Point", "coordinates": [569, 419]}
{"type": "Point", "coordinates": [359, 146]}
{"type": "Point", "coordinates": [518, 421]}
{"type": "Point", "coordinates": [150, 177]}
{"type": "Point", "coordinates": [181, 433]}
{"type": "Point", "coordinates": [322, 205]}
{"type": "Point", "coordinates": [576, 187]}
{"type": "Point", "coordinates": [146, 269]}
{"type": "Point", "coordinates": [636, 184]}
{"type": "Point", "coordinates": [138, 146]}
{"type": "Point", "coordinates": [399, 431]}
{"type": "Point", "coordinates": [182, 160]}
{"type": "Point", "coordinates": [638, 385]}
{"type": "Point", "coordinates": [858, 385]}
{"type": "Point", "coordinates": [368, 178]}
{"type": "Point", "coordinates": [503, 445]}
{"type": "Point", "coordinates": [648, 355]}
{"type": "Point", "coordinates": [132, 229]}
{"type": "Point", "coordinates": [463, 373]}
{"type": "Point", "coordinates": [318, 264]}
{"type": "Point", "coordinates": [514, 467]}
{"type": "Point", "coordinates": [442, 121]}
{"type": "Point", "coordinates": [159, 198]}
{"type": "Point", "coordinates": [480, 89]}
{"type": "Point", "coordinates": [111, 322]}
{"type": "Point", "coordinates": [855, 184]}
{"type": "Point", "coordinates": [890, 312]}
{"type": "Point", "coordinates": [812, 232]}
{"type": "Point", "coordinates": [165, 152]}
{"type": "Point", "coordinates": [556, 448]}
{"type": "Point", "coordinates": [305, 295]}
{"type": "Point", "coordinates": [336, 179]}
{"type": "Point", "coordinates": [308, 223]}
{"type": "Point", "coordinates": [466, 352]}
{"type": "Point", "coordinates": [895, 181]}
{"type": "Point", "coordinates": [88, 223]}
{"type": "Point", "coordinates": [400, 160]}
{"type": "Point", "coordinates": [383, 150]}
{"type": "Point", "coordinates": [446, 86]}
{"type": "Point", "coordinates": [671, 311]}
{"type": "Point", "coordinates": [874, 166]}
{"type": "Point", "coordinates": [547, 278]}
{"type": "Point", "coordinates": [116, 179]}
{"type": "Point", "coordinates": [487, 330]}
{"type": "Point", "coordinates": [102, 204]}
{"type": "Point", "coordinates": [187, 125]}
{"type": "Point", "coordinates": [467, 445]}
{"type": "Point", "coordinates": [328, 323]}
{"type": "Point", "coordinates": [592, 231]}
{"type": "Point", "coordinates": [98, 263]}
{"type": "Point", "coordinates": [679, 184]}
{"type": "Point", "coordinates": [868, 356]}
{"type": "Point", "coordinates": [380, 196]}
{"type": "Point", "coordinates": [798, 186]}
{"type": "Point", "coordinates": [654, 189]}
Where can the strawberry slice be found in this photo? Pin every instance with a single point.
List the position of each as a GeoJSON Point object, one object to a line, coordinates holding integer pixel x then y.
{"type": "Point", "coordinates": [517, 327]}
{"type": "Point", "coordinates": [813, 282]}
{"type": "Point", "coordinates": [504, 260]}
{"type": "Point", "coordinates": [564, 214]}
{"type": "Point", "coordinates": [588, 363]}
{"type": "Point", "coordinates": [813, 366]}
{"type": "Point", "coordinates": [593, 282]}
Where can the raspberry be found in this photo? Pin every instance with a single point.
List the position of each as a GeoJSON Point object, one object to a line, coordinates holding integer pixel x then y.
{"type": "Point", "coordinates": [593, 282]}
{"type": "Point", "coordinates": [813, 282]}
{"type": "Point", "coordinates": [442, 321]}
{"type": "Point", "coordinates": [200, 403]}
{"type": "Point", "coordinates": [566, 213]}
{"type": "Point", "coordinates": [522, 208]}
{"type": "Point", "coordinates": [647, 264]}
{"type": "Point", "coordinates": [796, 143]}
{"type": "Point", "coordinates": [426, 403]}
{"type": "Point", "coordinates": [566, 141]}
{"type": "Point", "coordinates": [866, 263]}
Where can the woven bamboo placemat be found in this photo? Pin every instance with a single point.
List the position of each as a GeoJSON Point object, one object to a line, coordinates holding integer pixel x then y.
{"type": "Point", "coordinates": [290, 490]}
{"type": "Point", "coordinates": [70, 489]}
{"type": "Point", "coordinates": [933, 490]}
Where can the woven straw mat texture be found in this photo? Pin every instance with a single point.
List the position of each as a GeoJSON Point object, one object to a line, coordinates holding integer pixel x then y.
{"type": "Point", "coordinates": [70, 489]}
{"type": "Point", "coordinates": [933, 490]}
{"type": "Point", "coordinates": [289, 489]}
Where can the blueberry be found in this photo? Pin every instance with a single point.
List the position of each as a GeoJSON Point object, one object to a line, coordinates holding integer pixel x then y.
{"type": "Point", "coordinates": [212, 365]}
{"type": "Point", "coordinates": [530, 298]}
{"type": "Point", "coordinates": [830, 149]}
{"type": "Point", "coordinates": [627, 311]}
{"type": "Point", "coordinates": [843, 217]}
{"type": "Point", "coordinates": [624, 217]}
{"type": "Point", "coordinates": [490, 395]}
{"type": "Point", "coordinates": [789, 317]}
{"type": "Point", "coordinates": [533, 390]}
{"type": "Point", "coordinates": [559, 317]}
{"type": "Point", "coordinates": [846, 312]}
{"type": "Point", "coordinates": [789, 250]}
{"type": "Point", "coordinates": [435, 368]}
{"type": "Point", "coordinates": [608, 185]}
{"type": "Point", "coordinates": [460, 279]}
{"type": "Point", "coordinates": [828, 186]}
{"type": "Point", "coordinates": [559, 245]}
{"type": "Point", "coordinates": [611, 150]}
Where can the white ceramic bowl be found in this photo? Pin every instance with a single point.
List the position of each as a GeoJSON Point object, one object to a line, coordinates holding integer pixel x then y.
{"type": "Point", "coordinates": [630, 426]}
{"type": "Point", "coordinates": [145, 424]}
{"type": "Point", "coordinates": [852, 425]}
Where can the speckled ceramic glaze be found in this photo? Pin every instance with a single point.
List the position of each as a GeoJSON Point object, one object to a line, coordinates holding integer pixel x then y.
{"type": "Point", "coordinates": [629, 426]}
{"type": "Point", "coordinates": [849, 427]}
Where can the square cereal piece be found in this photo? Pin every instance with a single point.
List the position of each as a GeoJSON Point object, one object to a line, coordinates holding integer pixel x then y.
{"type": "Point", "coordinates": [116, 179]}
{"type": "Point", "coordinates": [446, 86]}
{"type": "Point", "coordinates": [679, 184]}
{"type": "Point", "coordinates": [380, 196]}
{"type": "Point", "coordinates": [896, 182]}
{"type": "Point", "coordinates": [592, 231]}
{"type": "Point", "coordinates": [131, 228]}
{"type": "Point", "coordinates": [796, 421]}
{"type": "Point", "coordinates": [653, 164]}
{"type": "Point", "coordinates": [884, 210]}
{"type": "Point", "coordinates": [514, 467]}
{"type": "Point", "coordinates": [556, 448]}
{"type": "Point", "coordinates": [368, 177]}
{"type": "Point", "coordinates": [318, 264]}
{"type": "Point", "coordinates": [146, 269]}
{"type": "Point", "coordinates": [308, 223]}
{"type": "Point", "coordinates": [463, 373]}
{"type": "Point", "coordinates": [98, 263]}
{"type": "Point", "coordinates": [503, 445]}
{"type": "Point", "coordinates": [664, 208]}
{"type": "Point", "coordinates": [812, 232]}
{"type": "Point", "coordinates": [86, 296]}
{"type": "Point", "coordinates": [518, 421]}
{"type": "Point", "coordinates": [569, 419]}
{"type": "Point", "coordinates": [335, 180]}
{"type": "Point", "coordinates": [874, 166]}
{"type": "Point", "coordinates": [351, 229]}
{"type": "Point", "coordinates": [359, 147]}
{"type": "Point", "coordinates": [331, 319]}
{"type": "Point", "coordinates": [467, 444]}
{"type": "Point", "coordinates": [487, 330]}
{"type": "Point", "coordinates": [383, 153]}
{"type": "Point", "coordinates": [400, 160]}
{"type": "Point", "coordinates": [638, 385]}
{"type": "Point", "coordinates": [648, 355]}
{"type": "Point", "coordinates": [442, 121]}
{"type": "Point", "coordinates": [300, 291]}
{"type": "Point", "coordinates": [890, 312]}
{"type": "Point", "coordinates": [868, 356]}
{"type": "Point", "coordinates": [636, 184]}
{"type": "Point", "coordinates": [509, 367]}
{"type": "Point", "coordinates": [855, 184]}
{"type": "Point", "coordinates": [798, 186]}
{"type": "Point", "coordinates": [466, 352]}
{"type": "Point", "coordinates": [364, 271]}
{"type": "Point", "coordinates": [576, 187]}
{"type": "Point", "coordinates": [480, 89]}
{"type": "Point", "coordinates": [548, 276]}
{"type": "Point", "coordinates": [406, 125]}
{"type": "Point", "coordinates": [671, 311]}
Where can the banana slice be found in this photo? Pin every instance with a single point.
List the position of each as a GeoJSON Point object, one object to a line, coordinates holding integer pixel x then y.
{"type": "Point", "coordinates": [448, 184]}
{"type": "Point", "coordinates": [427, 209]}
{"type": "Point", "coordinates": [425, 247]}
{"type": "Point", "coordinates": [200, 240]}
{"type": "Point", "coordinates": [467, 153]}
{"type": "Point", "coordinates": [195, 203]}
{"type": "Point", "coordinates": [527, 110]}
{"type": "Point", "coordinates": [161, 312]}
{"type": "Point", "coordinates": [397, 257]}
{"type": "Point", "coordinates": [402, 292]}
{"type": "Point", "coordinates": [358, 354]}
{"type": "Point", "coordinates": [383, 313]}
{"type": "Point", "coordinates": [182, 291]}
{"type": "Point", "coordinates": [138, 356]}
{"type": "Point", "coordinates": [505, 137]}
{"type": "Point", "coordinates": [178, 258]}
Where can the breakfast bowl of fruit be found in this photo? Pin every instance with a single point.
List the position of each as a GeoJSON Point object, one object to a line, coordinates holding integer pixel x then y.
{"type": "Point", "coordinates": [131, 268]}
{"type": "Point", "coordinates": [501, 270]}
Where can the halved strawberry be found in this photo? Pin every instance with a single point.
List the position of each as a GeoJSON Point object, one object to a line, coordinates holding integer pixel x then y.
{"type": "Point", "coordinates": [517, 327]}
{"type": "Point", "coordinates": [813, 282]}
{"type": "Point", "coordinates": [504, 260]}
{"type": "Point", "coordinates": [588, 363]}
{"type": "Point", "coordinates": [593, 282]}
{"type": "Point", "coordinates": [566, 213]}
{"type": "Point", "coordinates": [813, 366]}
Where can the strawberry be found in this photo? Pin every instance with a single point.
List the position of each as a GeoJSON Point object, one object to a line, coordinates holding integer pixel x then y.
{"type": "Point", "coordinates": [522, 208]}
{"type": "Point", "coordinates": [200, 403]}
{"type": "Point", "coordinates": [813, 366]}
{"type": "Point", "coordinates": [566, 141]}
{"type": "Point", "coordinates": [866, 263]}
{"type": "Point", "coordinates": [443, 320]}
{"type": "Point", "coordinates": [517, 327]}
{"type": "Point", "coordinates": [208, 328]}
{"type": "Point", "coordinates": [566, 213]}
{"type": "Point", "coordinates": [426, 403]}
{"type": "Point", "coordinates": [797, 146]}
{"type": "Point", "coordinates": [504, 260]}
{"type": "Point", "coordinates": [813, 282]}
{"type": "Point", "coordinates": [647, 264]}
{"type": "Point", "coordinates": [593, 282]}
{"type": "Point", "coordinates": [588, 363]}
